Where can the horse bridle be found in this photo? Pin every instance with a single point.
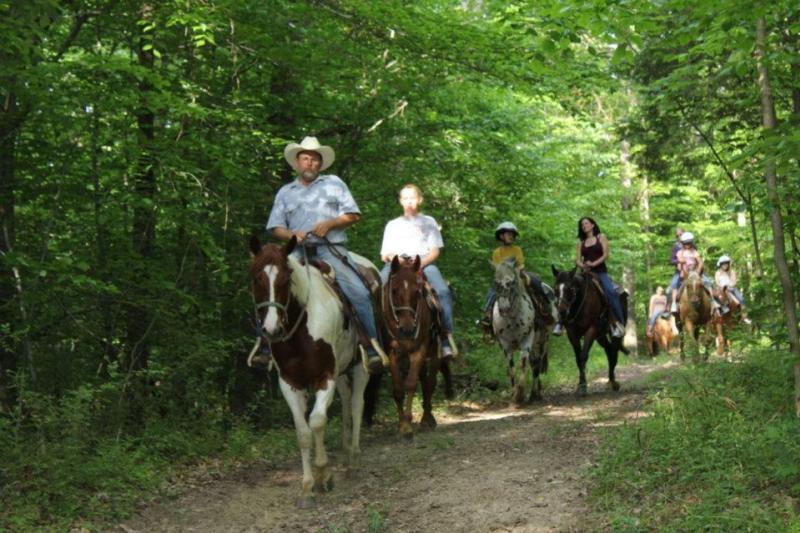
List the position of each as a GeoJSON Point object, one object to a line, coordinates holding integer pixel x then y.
{"type": "Point", "coordinates": [283, 313]}
{"type": "Point", "coordinates": [414, 312]}
{"type": "Point", "coordinates": [511, 294]}
{"type": "Point", "coordinates": [574, 314]}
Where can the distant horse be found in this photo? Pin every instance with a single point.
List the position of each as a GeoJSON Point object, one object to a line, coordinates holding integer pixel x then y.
{"type": "Point", "coordinates": [314, 348]}
{"type": "Point", "coordinates": [514, 325]}
{"type": "Point", "coordinates": [726, 321]}
{"type": "Point", "coordinates": [694, 311]}
{"type": "Point", "coordinates": [584, 313]}
{"type": "Point", "coordinates": [413, 342]}
{"type": "Point", "coordinates": [662, 337]}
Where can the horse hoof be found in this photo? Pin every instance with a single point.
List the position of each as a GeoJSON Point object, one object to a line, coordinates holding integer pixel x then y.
{"type": "Point", "coordinates": [581, 391]}
{"type": "Point", "coordinates": [615, 386]}
{"type": "Point", "coordinates": [324, 486]}
{"type": "Point", "coordinates": [427, 422]}
{"type": "Point", "coordinates": [304, 502]}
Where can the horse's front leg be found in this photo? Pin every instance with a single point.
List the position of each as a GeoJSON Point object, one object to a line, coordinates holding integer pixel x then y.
{"type": "Point", "coordinates": [427, 376]}
{"type": "Point", "coordinates": [323, 480]}
{"type": "Point", "coordinates": [581, 356]}
{"type": "Point", "coordinates": [538, 362]}
{"type": "Point", "coordinates": [296, 400]}
{"type": "Point", "coordinates": [398, 393]}
{"type": "Point", "coordinates": [416, 359]}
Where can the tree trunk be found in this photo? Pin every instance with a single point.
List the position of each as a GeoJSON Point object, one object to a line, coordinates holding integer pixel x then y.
{"type": "Point", "coordinates": [770, 174]}
{"type": "Point", "coordinates": [144, 215]}
{"type": "Point", "coordinates": [628, 274]}
{"type": "Point", "coordinates": [8, 145]}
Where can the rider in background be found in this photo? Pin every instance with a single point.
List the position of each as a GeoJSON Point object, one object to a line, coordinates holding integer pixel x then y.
{"type": "Point", "coordinates": [725, 276]}
{"type": "Point", "coordinates": [677, 246]}
{"type": "Point", "coordinates": [658, 304]}
{"type": "Point", "coordinates": [415, 234]}
{"type": "Point", "coordinates": [690, 260]}
{"type": "Point", "coordinates": [590, 256]}
{"type": "Point", "coordinates": [507, 233]}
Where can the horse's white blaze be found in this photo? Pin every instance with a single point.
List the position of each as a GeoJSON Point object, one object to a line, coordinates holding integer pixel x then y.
{"type": "Point", "coordinates": [271, 318]}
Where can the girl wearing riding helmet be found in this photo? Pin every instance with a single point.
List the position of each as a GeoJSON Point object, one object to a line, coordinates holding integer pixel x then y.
{"type": "Point", "coordinates": [689, 259]}
{"type": "Point", "coordinates": [726, 277]}
{"type": "Point", "coordinates": [590, 255]}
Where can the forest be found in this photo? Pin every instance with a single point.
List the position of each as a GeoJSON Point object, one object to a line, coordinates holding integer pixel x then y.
{"type": "Point", "coordinates": [141, 145]}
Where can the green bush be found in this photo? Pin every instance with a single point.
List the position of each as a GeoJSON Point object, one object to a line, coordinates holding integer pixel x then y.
{"type": "Point", "coordinates": [721, 451]}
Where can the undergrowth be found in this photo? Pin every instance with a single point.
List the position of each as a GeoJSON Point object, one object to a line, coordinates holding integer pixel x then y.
{"type": "Point", "coordinates": [721, 452]}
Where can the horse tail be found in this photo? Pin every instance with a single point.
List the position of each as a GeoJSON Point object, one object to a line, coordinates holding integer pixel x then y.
{"type": "Point", "coordinates": [371, 398]}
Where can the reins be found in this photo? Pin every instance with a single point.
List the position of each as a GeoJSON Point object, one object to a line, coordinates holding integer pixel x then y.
{"type": "Point", "coordinates": [394, 309]}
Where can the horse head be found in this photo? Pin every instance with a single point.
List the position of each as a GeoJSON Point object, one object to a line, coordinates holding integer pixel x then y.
{"type": "Point", "coordinates": [271, 285]}
{"type": "Point", "coordinates": [694, 290]}
{"type": "Point", "coordinates": [508, 285]}
{"type": "Point", "coordinates": [568, 288]}
{"type": "Point", "coordinates": [404, 297]}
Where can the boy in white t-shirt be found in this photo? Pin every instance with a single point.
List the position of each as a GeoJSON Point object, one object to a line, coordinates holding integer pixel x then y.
{"type": "Point", "coordinates": [416, 234]}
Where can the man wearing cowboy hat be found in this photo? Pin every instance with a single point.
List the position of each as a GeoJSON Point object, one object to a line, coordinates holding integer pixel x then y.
{"type": "Point", "coordinates": [316, 208]}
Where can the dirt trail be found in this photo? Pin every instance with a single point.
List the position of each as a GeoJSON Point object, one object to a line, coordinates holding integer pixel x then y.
{"type": "Point", "coordinates": [481, 470]}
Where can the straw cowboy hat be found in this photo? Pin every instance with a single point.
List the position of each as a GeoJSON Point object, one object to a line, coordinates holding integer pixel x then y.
{"type": "Point", "coordinates": [309, 144]}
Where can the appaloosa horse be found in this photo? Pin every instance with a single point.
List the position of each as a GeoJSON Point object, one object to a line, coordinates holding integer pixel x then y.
{"type": "Point", "coordinates": [314, 347]}
{"type": "Point", "coordinates": [414, 353]}
{"type": "Point", "coordinates": [515, 327]}
{"type": "Point", "coordinates": [584, 313]}
{"type": "Point", "coordinates": [694, 311]}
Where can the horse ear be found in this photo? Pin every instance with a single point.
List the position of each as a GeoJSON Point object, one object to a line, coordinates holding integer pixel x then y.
{"type": "Point", "coordinates": [395, 264]}
{"type": "Point", "coordinates": [290, 246]}
{"type": "Point", "coordinates": [417, 262]}
{"type": "Point", "coordinates": [255, 244]}
{"type": "Point", "coordinates": [554, 269]}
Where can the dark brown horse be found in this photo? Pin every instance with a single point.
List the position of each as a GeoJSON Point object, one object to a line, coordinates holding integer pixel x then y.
{"type": "Point", "coordinates": [694, 311]}
{"type": "Point", "coordinates": [314, 348]}
{"type": "Point", "coordinates": [414, 355]}
{"type": "Point", "coordinates": [584, 313]}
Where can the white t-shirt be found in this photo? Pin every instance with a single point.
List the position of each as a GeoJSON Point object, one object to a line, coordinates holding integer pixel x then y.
{"type": "Point", "coordinates": [411, 236]}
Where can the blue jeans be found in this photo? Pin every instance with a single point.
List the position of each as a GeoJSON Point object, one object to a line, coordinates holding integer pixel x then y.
{"type": "Point", "coordinates": [611, 294]}
{"type": "Point", "coordinates": [350, 283]}
{"type": "Point", "coordinates": [738, 295]}
{"type": "Point", "coordinates": [673, 285]}
{"type": "Point", "coordinates": [654, 317]}
{"type": "Point", "coordinates": [439, 284]}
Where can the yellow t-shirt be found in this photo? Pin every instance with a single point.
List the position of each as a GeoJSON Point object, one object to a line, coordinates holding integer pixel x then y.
{"type": "Point", "coordinates": [501, 253]}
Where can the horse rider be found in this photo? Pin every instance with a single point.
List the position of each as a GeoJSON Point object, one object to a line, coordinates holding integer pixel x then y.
{"type": "Point", "coordinates": [677, 246]}
{"type": "Point", "coordinates": [658, 304]}
{"type": "Point", "coordinates": [590, 256]}
{"type": "Point", "coordinates": [415, 234]}
{"type": "Point", "coordinates": [317, 208]}
{"type": "Point", "coordinates": [507, 233]}
{"type": "Point", "coordinates": [725, 276]}
{"type": "Point", "coordinates": [689, 259]}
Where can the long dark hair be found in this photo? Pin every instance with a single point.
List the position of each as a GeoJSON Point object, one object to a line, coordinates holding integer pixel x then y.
{"type": "Point", "coordinates": [595, 231]}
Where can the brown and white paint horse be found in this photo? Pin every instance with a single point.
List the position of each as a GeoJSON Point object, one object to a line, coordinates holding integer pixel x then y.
{"type": "Point", "coordinates": [413, 346]}
{"type": "Point", "coordinates": [314, 348]}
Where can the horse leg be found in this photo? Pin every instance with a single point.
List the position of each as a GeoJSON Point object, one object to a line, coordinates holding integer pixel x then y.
{"type": "Point", "coordinates": [581, 356]}
{"type": "Point", "coordinates": [351, 390]}
{"type": "Point", "coordinates": [428, 374]}
{"type": "Point", "coordinates": [444, 368]}
{"type": "Point", "coordinates": [538, 363]}
{"type": "Point", "coordinates": [398, 393]}
{"type": "Point", "coordinates": [296, 400]}
{"type": "Point", "coordinates": [416, 360]}
{"type": "Point", "coordinates": [323, 480]}
{"type": "Point", "coordinates": [720, 340]}
{"type": "Point", "coordinates": [612, 354]}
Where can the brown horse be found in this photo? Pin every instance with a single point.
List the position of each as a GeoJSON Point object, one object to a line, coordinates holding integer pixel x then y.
{"type": "Point", "coordinates": [314, 347]}
{"type": "Point", "coordinates": [694, 311]}
{"type": "Point", "coordinates": [662, 337]}
{"type": "Point", "coordinates": [584, 313]}
{"type": "Point", "coordinates": [413, 342]}
{"type": "Point", "coordinates": [726, 321]}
